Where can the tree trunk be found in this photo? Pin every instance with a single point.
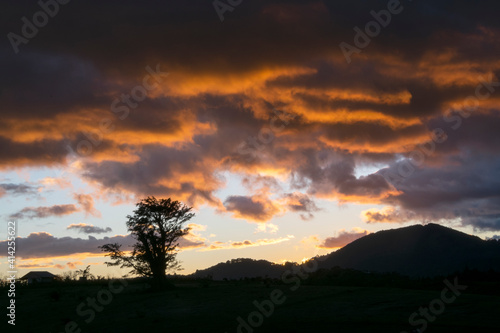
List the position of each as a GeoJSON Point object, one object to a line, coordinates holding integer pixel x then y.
{"type": "Point", "coordinates": [159, 277]}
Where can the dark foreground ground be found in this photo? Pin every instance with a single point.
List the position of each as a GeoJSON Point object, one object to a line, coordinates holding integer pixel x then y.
{"type": "Point", "coordinates": [215, 307]}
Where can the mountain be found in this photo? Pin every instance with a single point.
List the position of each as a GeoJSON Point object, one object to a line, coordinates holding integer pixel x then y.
{"type": "Point", "coordinates": [241, 268]}
{"type": "Point", "coordinates": [416, 251]}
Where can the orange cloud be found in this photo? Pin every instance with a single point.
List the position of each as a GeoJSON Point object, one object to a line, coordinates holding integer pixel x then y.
{"type": "Point", "coordinates": [386, 215]}
{"type": "Point", "coordinates": [246, 243]}
{"type": "Point", "coordinates": [87, 203]}
{"type": "Point", "coordinates": [72, 265]}
{"type": "Point", "coordinates": [343, 238]}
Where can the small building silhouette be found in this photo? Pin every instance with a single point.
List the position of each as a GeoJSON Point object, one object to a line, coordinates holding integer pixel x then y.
{"type": "Point", "coordinates": [39, 277]}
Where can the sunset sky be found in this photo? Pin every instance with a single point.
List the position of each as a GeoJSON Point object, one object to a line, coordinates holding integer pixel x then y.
{"type": "Point", "coordinates": [285, 144]}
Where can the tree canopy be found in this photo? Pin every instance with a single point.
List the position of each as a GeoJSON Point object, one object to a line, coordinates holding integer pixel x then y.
{"type": "Point", "coordinates": [156, 225]}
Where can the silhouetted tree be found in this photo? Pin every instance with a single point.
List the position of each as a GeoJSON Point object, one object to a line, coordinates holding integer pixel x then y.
{"type": "Point", "coordinates": [69, 276]}
{"type": "Point", "coordinates": [157, 226]}
{"type": "Point", "coordinates": [85, 274]}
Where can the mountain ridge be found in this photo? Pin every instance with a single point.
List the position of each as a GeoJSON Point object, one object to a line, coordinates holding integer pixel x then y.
{"type": "Point", "coordinates": [415, 251]}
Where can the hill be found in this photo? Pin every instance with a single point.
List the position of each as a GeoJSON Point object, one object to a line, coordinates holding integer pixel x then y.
{"type": "Point", "coordinates": [416, 251]}
{"type": "Point", "coordinates": [241, 268]}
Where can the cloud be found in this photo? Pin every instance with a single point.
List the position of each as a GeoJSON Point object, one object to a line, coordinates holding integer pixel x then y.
{"type": "Point", "coordinates": [73, 264]}
{"type": "Point", "coordinates": [246, 243]}
{"type": "Point", "coordinates": [255, 208]}
{"type": "Point", "coordinates": [45, 245]}
{"type": "Point", "coordinates": [261, 183]}
{"type": "Point", "coordinates": [387, 215]}
{"type": "Point", "coordinates": [267, 227]}
{"type": "Point", "coordinates": [45, 212]}
{"type": "Point", "coordinates": [307, 241]}
{"type": "Point", "coordinates": [161, 171]}
{"type": "Point", "coordinates": [88, 228]}
{"type": "Point", "coordinates": [343, 238]}
{"type": "Point", "coordinates": [43, 152]}
{"type": "Point", "coordinates": [87, 203]}
{"type": "Point", "coordinates": [196, 227]}
{"type": "Point", "coordinates": [188, 131]}
{"type": "Point", "coordinates": [59, 182]}
{"type": "Point", "coordinates": [193, 239]}
{"type": "Point", "coordinates": [45, 265]}
{"type": "Point", "coordinates": [331, 174]}
{"type": "Point", "coordinates": [84, 200]}
{"type": "Point", "coordinates": [466, 190]}
{"type": "Point", "coordinates": [299, 202]}
{"type": "Point", "coordinates": [17, 189]}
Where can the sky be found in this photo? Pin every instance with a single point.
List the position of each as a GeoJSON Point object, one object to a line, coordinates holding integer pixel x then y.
{"type": "Point", "coordinates": [291, 127]}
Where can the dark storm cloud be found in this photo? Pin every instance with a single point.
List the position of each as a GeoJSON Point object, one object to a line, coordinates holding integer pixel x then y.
{"type": "Point", "coordinates": [225, 80]}
{"type": "Point", "coordinates": [375, 77]}
{"type": "Point", "coordinates": [36, 153]}
{"type": "Point", "coordinates": [478, 132]}
{"type": "Point", "coordinates": [372, 133]}
{"type": "Point", "coordinates": [464, 186]}
{"type": "Point", "coordinates": [134, 28]}
{"type": "Point", "coordinates": [157, 172]}
{"type": "Point", "coordinates": [43, 84]}
{"type": "Point", "coordinates": [328, 172]}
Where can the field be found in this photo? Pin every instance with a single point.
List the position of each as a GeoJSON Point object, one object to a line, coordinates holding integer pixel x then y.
{"type": "Point", "coordinates": [215, 307]}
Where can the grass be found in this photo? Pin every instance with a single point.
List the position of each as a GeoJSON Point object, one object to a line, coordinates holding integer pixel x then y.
{"type": "Point", "coordinates": [191, 307]}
